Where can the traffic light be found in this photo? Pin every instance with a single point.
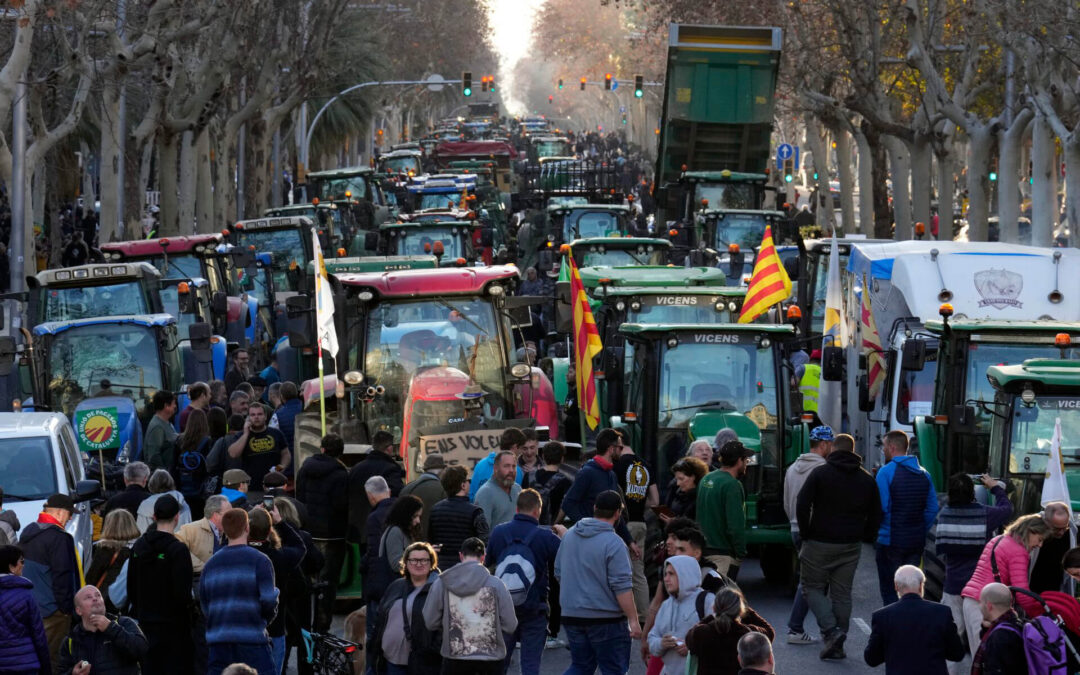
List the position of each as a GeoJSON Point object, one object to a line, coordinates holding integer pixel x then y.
{"type": "Point", "coordinates": [639, 86]}
{"type": "Point", "coordinates": [560, 84]}
{"type": "Point", "coordinates": [466, 83]}
{"type": "Point", "coordinates": [607, 81]}
{"type": "Point", "coordinates": [550, 99]}
{"type": "Point", "coordinates": [583, 84]}
{"type": "Point", "coordinates": [624, 118]}
{"type": "Point", "coordinates": [993, 175]}
{"type": "Point", "coordinates": [789, 169]}
{"type": "Point", "coordinates": [491, 83]}
{"type": "Point", "coordinates": [815, 175]}
{"type": "Point", "coordinates": [483, 83]}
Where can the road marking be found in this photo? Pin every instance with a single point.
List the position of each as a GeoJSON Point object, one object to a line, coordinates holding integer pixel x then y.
{"type": "Point", "coordinates": [862, 625]}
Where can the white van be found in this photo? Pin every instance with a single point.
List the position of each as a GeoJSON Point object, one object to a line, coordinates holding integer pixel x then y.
{"type": "Point", "coordinates": [39, 457]}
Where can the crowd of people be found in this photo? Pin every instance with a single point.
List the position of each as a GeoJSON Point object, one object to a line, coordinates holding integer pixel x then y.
{"type": "Point", "coordinates": [207, 560]}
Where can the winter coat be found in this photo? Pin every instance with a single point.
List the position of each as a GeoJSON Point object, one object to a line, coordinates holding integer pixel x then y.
{"type": "Point", "coordinates": [375, 464]}
{"type": "Point", "coordinates": [544, 546]}
{"type": "Point", "coordinates": [115, 651]}
{"type": "Point", "coordinates": [199, 539]}
{"type": "Point", "coordinates": [838, 503]}
{"type": "Point", "coordinates": [323, 485]}
{"type": "Point", "coordinates": [286, 561]}
{"type": "Point", "coordinates": [146, 510]}
{"type": "Point", "coordinates": [108, 559]}
{"type": "Point", "coordinates": [716, 649]}
{"type": "Point", "coordinates": [159, 580]}
{"type": "Point", "coordinates": [1012, 565]}
{"type": "Point", "coordinates": [678, 614]}
{"type": "Point", "coordinates": [9, 528]}
{"type": "Point", "coordinates": [794, 480]}
{"type": "Point", "coordinates": [23, 647]}
{"type": "Point", "coordinates": [473, 609]}
{"type": "Point", "coordinates": [682, 503]}
{"type": "Point", "coordinates": [286, 419]}
{"type": "Point", "coordinates": [384, 568]}
{"type": "Point", "coordinates": [962, 532]}
{"type": "Point", "coordinates": [430, 491]}
{"type": "Point", "coordinates": [592, 479]}
{"type": "Point", "coordinates": [130, 498]}
{"type": "Point", "coordinates": [593, 568]}
{"type": "Point", "coordinates": [453, 520]}
{"type": "Point", "coordinates": [424, 644]}
{"type": "Point", "coordinates": [908, 503]}
{"type": "Point", "coordinates": [49, 552]}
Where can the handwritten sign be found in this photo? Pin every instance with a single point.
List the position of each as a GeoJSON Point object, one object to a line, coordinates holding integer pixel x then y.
{"type": "Point", "coordinates": [464, 448]}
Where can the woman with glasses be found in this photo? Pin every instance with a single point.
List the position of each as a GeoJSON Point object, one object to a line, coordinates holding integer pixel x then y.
{"type": "Point", "coordinates": [403, 645]}
{"type": "Point", "coordinates": [23, 648]}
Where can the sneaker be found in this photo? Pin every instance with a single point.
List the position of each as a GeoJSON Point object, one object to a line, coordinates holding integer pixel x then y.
{"type": "Point", "coordinates": [834, 646]}
{"type": "Point", "coordinates": [803, 638]}
{"type": "Point", "coordinates": [554, 643]}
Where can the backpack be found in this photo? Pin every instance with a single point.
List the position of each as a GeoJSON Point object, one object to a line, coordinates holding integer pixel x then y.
{"type": "Point", "coordinates": [546, 489]}
{"type": "Point", "coordinates": [1044, 645]}
{"type": "Point", "coordinates": [699, 605]}
{"type": "Point", "coordinates": [191, 471]}
{"type": "Point", "coordinates": [517, 566]}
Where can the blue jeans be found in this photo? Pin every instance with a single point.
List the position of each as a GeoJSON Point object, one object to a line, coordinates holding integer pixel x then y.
{"type": "Point", "coordinates": [799, 606]}
{"type": "Point", "coordinates": [605, 645]}
{"type": "Point", "coordinates": [277, 651]}
{"type": "Point", "coordinates": [889, 559]}
{"type": "Point", "coordinates": [394, 669]}
{"type": "Point", "coordinates": [532, 634]}
{"type": "Point", "coordinates": [256, 656]}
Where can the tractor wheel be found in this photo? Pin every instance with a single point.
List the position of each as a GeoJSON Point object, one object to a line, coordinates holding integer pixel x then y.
{"type": "Point", "coordinates": [307, 436]}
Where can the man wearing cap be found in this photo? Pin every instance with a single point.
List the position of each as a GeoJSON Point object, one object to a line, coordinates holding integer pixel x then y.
{"type": "Point", "coordinates": [821, 444]}
{"type": "Point", "coordinates": [159, 587]}
{"type": "Point", "coordinates": [49, 554]}
{"type": "Point", "coordinates": [838, 508]}
{"type": "Point", "coordinates": [810, 381]}
{"type": "Point", "coordinates": [720, 510]}
{"type": "Point", "coordinates": [235, 484]}
{"type": "Point", "coordinates": [428, 488]}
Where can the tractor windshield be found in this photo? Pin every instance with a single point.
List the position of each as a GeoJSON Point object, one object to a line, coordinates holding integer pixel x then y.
{"type": "Point", "coordinates": [726, 196]}
{"type": "Point", "coordinates": [405, 164]}
{"type": "Point", "coordinates": [741, 377]}
{"type": "Point", "coordinates": [422, 241]}
{"type": "Point", "coordinates": [1033, 430]}
{"type": "Point", "coordinates": [603, 256]}
{"type": "Point", "coordinates": [438, 200]}
{"type": "Point", "coordinates": [285, 246]}
{"type": "Point", "coordinates": [84, 302]}
{"type": "Point", "coordinates": [585, 224]}
{"type": "Point", "coordinates": [335, 188]}
{"type": "Point", "coordinates": [181, 266]}
{"type": "Point", "coordinates": [103, 360]}
{"type": "Point", "coordinates": [744, 229]}
{"type": "Point", "coordinates": [982, 355]}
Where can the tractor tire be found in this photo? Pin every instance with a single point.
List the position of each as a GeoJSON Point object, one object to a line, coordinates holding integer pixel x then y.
{"type": "Point", "coordinates": [307, 436]}
{"type": "Point", "coordinates": [779, 564]}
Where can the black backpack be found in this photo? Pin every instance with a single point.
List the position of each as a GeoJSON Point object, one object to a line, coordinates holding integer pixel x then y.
{"type": "Point", "coordinates": [191, 472]}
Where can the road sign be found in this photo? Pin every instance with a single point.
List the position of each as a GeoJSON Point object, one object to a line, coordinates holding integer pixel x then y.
{"type": "Point", "coordinates": [435, 82]}
{"type": "Point", "coordinates": [622, 108]}
{"type": "Point", "coordinates": [784, 151]}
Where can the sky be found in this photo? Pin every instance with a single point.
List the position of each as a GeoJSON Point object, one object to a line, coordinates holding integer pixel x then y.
{"type": "Point", "coordinates": [511, 22]}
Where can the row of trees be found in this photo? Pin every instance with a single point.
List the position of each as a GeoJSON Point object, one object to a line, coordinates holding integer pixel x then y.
{"type": "Point", "coordinates": [927, 98]}
{"type": "Point", "coordinates": [204, 102]}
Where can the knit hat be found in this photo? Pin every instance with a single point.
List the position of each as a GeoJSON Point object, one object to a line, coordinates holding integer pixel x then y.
{"type": "Point", "coordinates": [166, 507]}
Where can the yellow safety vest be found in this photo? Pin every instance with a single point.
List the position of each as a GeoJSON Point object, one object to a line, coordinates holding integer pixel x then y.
{"type": "Point", "coordinates": [808, 387]}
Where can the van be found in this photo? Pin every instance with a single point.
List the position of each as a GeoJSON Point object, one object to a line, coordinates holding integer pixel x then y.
{"type": "Point", "coordinates": [40, 457]}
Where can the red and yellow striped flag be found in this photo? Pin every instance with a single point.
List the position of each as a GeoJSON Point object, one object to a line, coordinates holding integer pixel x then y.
{"type": "Point", "coordinates": [586, 346]}
{"type": "Point", "coordinates": [769, 284]}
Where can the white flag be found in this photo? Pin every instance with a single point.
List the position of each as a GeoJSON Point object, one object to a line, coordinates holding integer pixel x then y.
{"type": "Point", "coordinates": [835, 335]}
{"type": "Point", "coordinates": [324, 302]}
{"type": "Point", "coordinates": [1055, 489]}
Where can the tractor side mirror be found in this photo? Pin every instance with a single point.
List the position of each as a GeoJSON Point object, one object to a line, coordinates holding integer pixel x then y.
{"type": "Point", "coordinates": [564, 313]}
{"type": "Point", "coordinates": [199, 336]}
{"type": "Point", "coordinates": [487, 237]}
{"type": "Point", "coordinates": [962, 418]}
{"type": "Point", "coordinates": [298, 320]}
{"type": "Point", "coordinates": [371, 241]}
{"type": "Point", "coordinates": [832, 364]}
{"type": "Point", "coordinates": [219, 302]}
{"type": "Point", "coordinates": [7, 355]}
{"type": "Point", "coordinates": [914, 355]}
{"type": "Point", "coordinates": [737, 264]}
{"type": "Point", "coordinates": [546, 261]}
{"type": "Point", "coordinates": [866, 403]}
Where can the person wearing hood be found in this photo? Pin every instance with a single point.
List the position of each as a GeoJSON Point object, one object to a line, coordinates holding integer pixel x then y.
{"type": "Point", "coordinates": [474, 610]}
{"type": "Point", "coordinates": [159, 583]}
{"type": "Point", "coordinates": [322, 484]}
{"type": "Point", "coordinates": [687, 604]}
{"type": "Point", "coordinates": [596, 591]}
{"type": "Point", "coordinates": [49, 552]}
{"type": "Point", "coordinates": [161, 484]}
{"type": "Point", "coordinates": [23, 647]}
{"type": "Point", "coordinates": [909, 506]}
{"type": "Point", "coordinates": [714, 642]}
{"type": "Point", "coordinates": [838, 508]}
{"type": "Point", "coordinates": [821, 444]}
{"type": "Point", "coordinates": [9, 525]}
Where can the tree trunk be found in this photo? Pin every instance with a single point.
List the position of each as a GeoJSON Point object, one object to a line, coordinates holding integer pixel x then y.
{"type": "Point", "coordinates": [847, 180]}
{"type": "Point", "coordinates": [946, 179]}
{"type": "Point", "coordinates": [1044, 206]}
{"type": "Point", "coordinates": [1071, 149]}
{"type": "Point", "coordinates": [900, 171]}
{"type": "Point", "coordinates": [980, 142]}
{"type": "Point", "coordinates": [225, 177]}
{"type": "Point", "coordinates": [146, 164]}
{"type": "Point", "coordinates": [826, 215]}
{"type": "Point", "coordinates": [168, 151]}
{"type": "Point", "coordinates": [111, 227]}
{"type": "Point", "coordinates": [922, 168]}
{"type": "Point", "coordinates": [188, 173]}
{"type": "Point", "coordinates": [257, 190]}
{"type": "Point", "coordinates": [1009, 175]}
{"type": "Point", "coordinates": [866, 183]}
{"type": "Point", "coordinates": [204, 187]}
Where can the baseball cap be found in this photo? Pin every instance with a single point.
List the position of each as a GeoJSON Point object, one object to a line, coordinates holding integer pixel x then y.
{"type": "Point", "coordinates": [434, 461]}
{"type": "Point", "coordinates": [733, 451]}
{"type": "Point", "coordinates": [235, 477]}
{"type": "Point", "coordinates": [815, 355]}
{"type": "Point", "coordinates": [166, 507]}
{"type": "Point", "coordinates": [608, 500]}
{"type": "Point", "coordinates": [822, 433]}
{"type": "Point", "coordinates": [59, 501]}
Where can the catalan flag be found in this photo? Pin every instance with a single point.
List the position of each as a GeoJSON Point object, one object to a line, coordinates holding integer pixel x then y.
{"type": "Point", "coordinates": [835, 335]}
{"type": "Point", "coordinates": [871, 344]}
{"type": "Point", "coordinates": [586, 346]}
{"type": "Point", "coordinates": [769, 284]}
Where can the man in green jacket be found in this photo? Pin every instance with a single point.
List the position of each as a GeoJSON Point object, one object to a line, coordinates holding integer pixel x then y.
{"type": "Point", "coordinates": [720, 510]}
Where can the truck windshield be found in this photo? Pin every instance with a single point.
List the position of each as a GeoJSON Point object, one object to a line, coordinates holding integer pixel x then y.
{"type": "Point", "coordinates": [588, 224]}
{"type": "Point", "coordinates": [681, 309]}
{"type": "Point", "coordinates": [982, 355]}
{"type": "Point", "coordinates": [335, 188]}
{"type": "Point", "coordinates": [422, 242]}
{"type": "Point", "coordinates": [1033, 429]}
{"type": "Point", "coordinates": [726, 196]}
{"type": "Point", "coordinates": [601, 256]}
{"type": "Point", "coordinates": [285, 246]}
{"type": "Point", "coordinates": [402, 165]}
{"type": "Point", "coordinates": [438, 200]}
{"type": "Point", "coordinates": [740, 377]}
{"type": "Point", "coordinates": [552, 149]}
{"type": "Point", "coordinates": [402, 337]}
{"type": "Point", "coordinates": [65, 304]}
{"type": "Point", "coordinates": [28, 467]}
{"type": "Point", "coordinates": [181, 266]}
{"type": "Point", "coordinates": [744, 229]}
{"type": "Point", "coordinates": [103, 360]}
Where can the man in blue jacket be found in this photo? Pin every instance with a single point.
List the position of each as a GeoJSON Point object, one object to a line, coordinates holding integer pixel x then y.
{"type": "Point", "coordinates": [909, 506]}
{"type": "Point", "coordinates": [513, 440]}
{"type": "Point", "coordinates": [594, 477]}
{"type": "Point", "coordinates": [506, 563]}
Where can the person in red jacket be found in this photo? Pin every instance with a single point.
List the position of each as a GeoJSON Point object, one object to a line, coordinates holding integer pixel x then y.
{"type": "Point", "coordinates": [1005, 559]}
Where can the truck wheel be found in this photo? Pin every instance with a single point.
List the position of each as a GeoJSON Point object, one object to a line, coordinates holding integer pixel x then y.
{"type": "Point", "coordinates": [307, 436]}
{"type": "Point", "coordinates": [778, 564]}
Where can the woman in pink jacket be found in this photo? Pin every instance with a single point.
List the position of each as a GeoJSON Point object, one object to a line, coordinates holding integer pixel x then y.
{"type": "Point", "coordinates": [1010, 554]}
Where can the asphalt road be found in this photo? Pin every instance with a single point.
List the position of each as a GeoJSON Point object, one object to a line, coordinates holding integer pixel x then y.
{"type": "Point", "coordinates": [774, 604]}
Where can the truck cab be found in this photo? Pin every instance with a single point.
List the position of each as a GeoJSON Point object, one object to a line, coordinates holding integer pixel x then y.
{"type": "Point", "coordinates": [358, 184]}
{"type": "Point", "coordinates": [288, 240]}
{"type": "Point", "coordinates": [190, 302]}
{"type": "Point", "coordinates": [406, 161]}
{"type": "Point", "coordinates": [334, 231]}
{"type": "Point", "coordinates": [94, 290]}
{"type": "Point", "coordinates": [454, 242]}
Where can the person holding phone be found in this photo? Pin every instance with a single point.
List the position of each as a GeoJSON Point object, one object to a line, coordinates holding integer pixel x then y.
{"type": "Point", "coordinates": [260, 449]}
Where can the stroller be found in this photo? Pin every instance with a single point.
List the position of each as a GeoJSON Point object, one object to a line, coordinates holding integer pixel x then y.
{"type": "Point", "coordinates": [1059, 618]}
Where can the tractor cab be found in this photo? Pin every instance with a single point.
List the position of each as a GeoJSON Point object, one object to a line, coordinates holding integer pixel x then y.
{"type": "Point", "coordinates": [96, 290]}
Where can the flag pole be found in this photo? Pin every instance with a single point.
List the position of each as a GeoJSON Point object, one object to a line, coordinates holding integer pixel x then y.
{"type": "Point", "coordinates": [318, 342]}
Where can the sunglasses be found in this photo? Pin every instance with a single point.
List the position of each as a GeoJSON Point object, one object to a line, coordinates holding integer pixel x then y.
{"type": "Point", "coordinates": [419, 561]}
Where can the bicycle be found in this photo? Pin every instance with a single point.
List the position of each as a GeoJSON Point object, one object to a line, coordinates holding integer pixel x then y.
{"type": "Point", "coordinates": [328, 654]}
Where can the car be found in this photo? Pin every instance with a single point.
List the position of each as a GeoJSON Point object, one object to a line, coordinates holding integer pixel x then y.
{"type": "Point", "coordinates": [39, 457]}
